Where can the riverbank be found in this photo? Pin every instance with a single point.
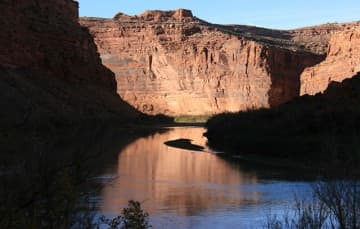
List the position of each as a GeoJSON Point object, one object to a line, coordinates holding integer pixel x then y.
{"type": "Point", "coordinates": [320, 132]}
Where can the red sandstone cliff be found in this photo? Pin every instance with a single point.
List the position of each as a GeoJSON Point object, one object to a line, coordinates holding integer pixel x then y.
{"type": "Point", "coordinates": [342, 62]}
{"type": "Point", "coordinates": [313, 39]}
{"type": "Point", "coordinates": [173, 63]}
{"type": "Point", "coordinates": [50, 67]}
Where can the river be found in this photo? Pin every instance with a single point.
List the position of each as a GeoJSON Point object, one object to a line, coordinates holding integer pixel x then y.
{"type": "Point", "coordinates": [181, 188]}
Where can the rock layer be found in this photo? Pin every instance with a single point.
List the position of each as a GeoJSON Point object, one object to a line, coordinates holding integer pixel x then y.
{"type": "Point", "coordinates": [342, 62]}
{"type": "Point", "coordinates": [172, 63]}
{"type": "Point", "coordinates": [50, 67]}
{"type": "Point", "coordinates": [313, 39]}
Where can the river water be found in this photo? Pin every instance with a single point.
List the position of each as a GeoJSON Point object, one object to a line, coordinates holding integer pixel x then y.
{"type": "Point", "coordinates": [181, 188]}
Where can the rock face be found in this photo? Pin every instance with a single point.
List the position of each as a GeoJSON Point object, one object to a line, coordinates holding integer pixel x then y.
{"type": "Point", "coordinates": [342, 62]}
{"type": "Point", "coordinates": [313, 39]}
{"type": "Point", "coordinates": [46, 35]}
{"type": "Point", "coordinates": [316, 38]}
{"type": "Point", "coordinates": [50, 67]}
{"type": "Point", "coordinates": [172, 63]}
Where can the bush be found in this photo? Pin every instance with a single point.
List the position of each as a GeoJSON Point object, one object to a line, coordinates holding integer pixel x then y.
{"type": "Point", "coordinates": [336, 204]}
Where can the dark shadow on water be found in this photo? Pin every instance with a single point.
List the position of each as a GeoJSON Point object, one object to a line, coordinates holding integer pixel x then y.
{"type": "Point", "coordinates": [44, 175]}
{"type": "Point", "coordinates": [317, 132]}
{"type": "Point", "coordinates": [184, 143]}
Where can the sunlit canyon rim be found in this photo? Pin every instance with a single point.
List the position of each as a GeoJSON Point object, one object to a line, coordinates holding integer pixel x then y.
{"type": "Point", "coordinates": [173, 63]}
{"type": "Point", "coordinates": [342, 62]}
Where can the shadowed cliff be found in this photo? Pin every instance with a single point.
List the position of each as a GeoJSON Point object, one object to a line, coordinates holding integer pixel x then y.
{"type": "Point", "coordinates": [50, 70]}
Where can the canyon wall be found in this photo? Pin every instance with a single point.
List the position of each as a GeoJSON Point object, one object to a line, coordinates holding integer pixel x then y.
{"type": "Point", "coordinates": [316, 38]}
{"type": "Point", "coordinates": [342, 62]}
{"type": "Point", "coordinates": [50, 67]}
{"type": "Point", "coordinates": [313, 38]}
{"type": "Point", "coordinates": [172, 63]}
{"type": "Point", "coordinates": [46, 35]}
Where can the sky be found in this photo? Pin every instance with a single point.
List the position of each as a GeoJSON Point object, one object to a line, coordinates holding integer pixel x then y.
{"type": "Point", "coordinates": [276, 14]}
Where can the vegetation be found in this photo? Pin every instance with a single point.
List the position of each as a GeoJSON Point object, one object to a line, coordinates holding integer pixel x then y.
{"type": "Point", "coordinates": [134, 217]}
{"type": "Point", "coordinates": [44, 177]}
{"type": "Point", "coordinates": [42, 195]}
{"type": "Point", "coordinates": [192, 119]}
{"type": "Point", "coordinates": [155, 119]}
{"type": "Point", "coordinates": [321, 130]}
{"type": "Point", "coordinates": [335, 204]}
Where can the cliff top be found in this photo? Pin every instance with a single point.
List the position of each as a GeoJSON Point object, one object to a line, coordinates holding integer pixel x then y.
{"type": "Point", "coordinates": [313, 39]}
{"type": "Point", "coordinates": [158, 16]}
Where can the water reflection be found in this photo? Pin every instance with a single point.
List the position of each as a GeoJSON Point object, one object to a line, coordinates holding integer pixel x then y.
{"type": "Point", "coordinates": [174, 180]}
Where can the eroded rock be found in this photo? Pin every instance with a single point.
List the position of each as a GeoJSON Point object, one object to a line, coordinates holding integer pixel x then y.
{"type": "Point", "coordinates": [172, 63]}
{"type": "Point", "coordinates": [342, 62]}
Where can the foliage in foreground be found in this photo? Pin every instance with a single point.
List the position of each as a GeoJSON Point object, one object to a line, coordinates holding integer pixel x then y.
{"type": "Point", "coordinates": [48, 192]}
{"type": "Point", "coordinates": [335, 204]}
{"type": "Point", "coordinates": [132, 217]}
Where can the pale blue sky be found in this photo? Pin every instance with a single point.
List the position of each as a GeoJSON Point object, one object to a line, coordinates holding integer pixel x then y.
{"type": "Point", "coordinates": [281, 14]}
